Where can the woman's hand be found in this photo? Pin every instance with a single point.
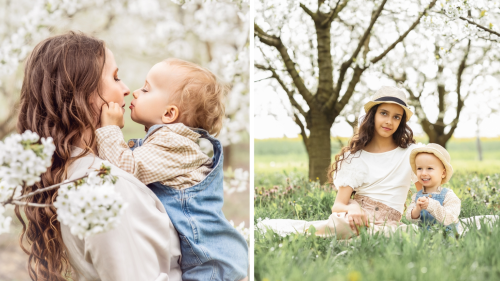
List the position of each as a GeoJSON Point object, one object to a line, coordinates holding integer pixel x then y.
{"type": "Point", "coordinates": [112, 115]}
{"type": "Point", "coordinates": [423, 203]}
{"type": "Point", "coordinates": [357, 217]}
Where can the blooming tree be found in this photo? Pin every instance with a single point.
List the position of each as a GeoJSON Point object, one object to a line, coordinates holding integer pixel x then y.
{"type": "Point", "coordinates": [318, 51]}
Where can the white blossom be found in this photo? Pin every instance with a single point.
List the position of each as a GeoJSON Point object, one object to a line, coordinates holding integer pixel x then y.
{"type": "Point", "coordinates": [91, 207]}
{"type": "Point", "coordinates": [242, 230]}
{"type": "Point", "coordinates": [4, 221]}
{"type": "Point", "coordinates": [236, 181]}
{"type": "Point", "coordinates": [22, 160]}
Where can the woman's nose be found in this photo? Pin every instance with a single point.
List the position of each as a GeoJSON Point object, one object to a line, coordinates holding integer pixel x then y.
{"type": "Point", "coordinates": [127, 91]}
{"type": "Point", "coordinates": [135, 94]}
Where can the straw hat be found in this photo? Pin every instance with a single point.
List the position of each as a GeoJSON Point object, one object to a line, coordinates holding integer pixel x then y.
{"type": "Point", "coordinates": [438, 151]}
{"type": "Point", "coordinates": [388, 94]}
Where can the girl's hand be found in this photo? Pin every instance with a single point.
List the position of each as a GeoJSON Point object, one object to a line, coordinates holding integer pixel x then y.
{"type": "Point", "coordinates": [423, 203]}
{"type": "Point", "coordinates": [357, 217]}
{"type": "Point", "coordinates": [112, 115]}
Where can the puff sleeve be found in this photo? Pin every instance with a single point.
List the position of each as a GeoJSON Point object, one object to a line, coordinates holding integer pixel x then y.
{"type": "Point", "coordinates": [352, 172]}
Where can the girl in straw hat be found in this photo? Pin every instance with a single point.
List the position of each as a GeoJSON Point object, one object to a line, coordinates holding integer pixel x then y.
{"type": "Point", "coordinates": [433, 204]}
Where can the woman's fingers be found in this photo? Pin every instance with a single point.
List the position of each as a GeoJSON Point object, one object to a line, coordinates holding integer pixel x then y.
{"type": "Point", "coordinates": [351, 222]}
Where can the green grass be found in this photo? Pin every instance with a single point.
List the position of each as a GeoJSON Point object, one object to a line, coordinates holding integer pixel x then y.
{"type": "Point", "coordinates": [284, 191]}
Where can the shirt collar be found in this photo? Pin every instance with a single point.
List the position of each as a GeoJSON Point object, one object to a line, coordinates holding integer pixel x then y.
{"type": "Point", "coordinates": [183, 130]}
{"type": "Point", "coordinates": [437, 191]}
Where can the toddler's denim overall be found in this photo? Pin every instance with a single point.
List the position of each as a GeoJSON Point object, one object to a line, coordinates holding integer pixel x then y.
{"type": "Point", "coordinates": [426, 219]}
{"type": "Point", "coordinates": [211, 248]}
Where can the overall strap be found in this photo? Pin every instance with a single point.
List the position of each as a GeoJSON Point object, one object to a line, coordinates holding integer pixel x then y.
{"type": "Point", "coordinates": [444, 191]}
{"type": "Point", "coordinates": [217, 147]}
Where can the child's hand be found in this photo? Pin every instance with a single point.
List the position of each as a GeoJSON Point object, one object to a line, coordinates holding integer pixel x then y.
{"type": "Point", "coordinates": [423, 202]}
{"type": "Point", "coordinates": [112, 115]}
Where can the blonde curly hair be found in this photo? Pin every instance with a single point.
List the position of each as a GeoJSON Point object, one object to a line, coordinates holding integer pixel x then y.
{"type": "Point", "coordinates": [200, 97]}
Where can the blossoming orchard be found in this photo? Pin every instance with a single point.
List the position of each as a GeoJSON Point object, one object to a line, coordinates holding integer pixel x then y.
{"type": "Point", "coordinates": [211, 33]}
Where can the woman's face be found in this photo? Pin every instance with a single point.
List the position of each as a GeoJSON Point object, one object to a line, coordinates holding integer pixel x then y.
{"type": "Point", "coordinates": [113, 89]}
{"type": "Point", "coordinates": [387, 119]}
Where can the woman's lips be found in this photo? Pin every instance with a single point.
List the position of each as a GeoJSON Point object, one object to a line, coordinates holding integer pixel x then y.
{"type": "Point", "coordinates": [387, 129]}
{"type": "Point", "coordinates": [131, 106]}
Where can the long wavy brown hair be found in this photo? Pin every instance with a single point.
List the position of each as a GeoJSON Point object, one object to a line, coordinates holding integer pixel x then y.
{"type": "Point", "coordinates": [61, 78]}
{"type": "Point", "coordinates": [403, 137]}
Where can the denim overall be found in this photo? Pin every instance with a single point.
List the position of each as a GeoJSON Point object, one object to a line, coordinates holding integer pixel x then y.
{"type": "Point", "coordinates": [426, 219]}
{"type": "Point", "coordinates": [211, 248]}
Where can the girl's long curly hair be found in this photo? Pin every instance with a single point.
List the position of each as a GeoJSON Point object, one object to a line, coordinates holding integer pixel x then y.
{"type": "Point", "coordinates": [61, 78]}
{"type": "Point", "coordinates": [403, 137]}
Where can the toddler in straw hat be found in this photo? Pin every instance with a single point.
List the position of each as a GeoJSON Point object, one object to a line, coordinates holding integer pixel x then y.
{"type": "Point", "coordinates": [433, 204]}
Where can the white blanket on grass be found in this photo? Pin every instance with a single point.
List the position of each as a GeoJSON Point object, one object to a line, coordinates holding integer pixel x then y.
{"type": "Point", "coordinates": [284, 227]}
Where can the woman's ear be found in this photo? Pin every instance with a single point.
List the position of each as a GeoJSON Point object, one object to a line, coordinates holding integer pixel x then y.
{"type": "Point", "coordinates": [170, 115]}
{"type": "Point", "coordinates": [444, 174]}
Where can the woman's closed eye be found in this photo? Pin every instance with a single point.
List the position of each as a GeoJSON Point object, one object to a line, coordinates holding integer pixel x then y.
{"type": "Point", "coordinates": [117, 79]}
{"type": "Point", "coordinates": [144, 90]}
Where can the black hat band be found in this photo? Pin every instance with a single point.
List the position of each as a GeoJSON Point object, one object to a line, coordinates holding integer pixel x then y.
{"type": "Point", "coordinates": [396, 100]}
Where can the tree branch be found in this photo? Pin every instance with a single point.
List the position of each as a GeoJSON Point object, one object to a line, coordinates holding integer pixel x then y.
{"type": "Point", "coordinates": [460, 101]}
{"type": "Point", "coordinates": [284, 87]}
{"type": "Point", "coordinates": [302, 131]}
{"type": "Point", "coordinates": [384, 53]}
{"type": "Point", "coordinates": [275, 41]}
{"type": "Point", "coordinates": [313, 15]}
{"type": "Point", "coordinates": [333, 14]}
{"type": "Point", "coordinates": [480, 26]}
{"type": "Point", "coordinates": [350, 90]}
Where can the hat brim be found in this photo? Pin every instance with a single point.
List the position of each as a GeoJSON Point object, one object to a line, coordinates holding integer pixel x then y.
{"type": "Point", "coordinates": [371, 104]}
{"type": "Point", "coordinates": [435, 152]}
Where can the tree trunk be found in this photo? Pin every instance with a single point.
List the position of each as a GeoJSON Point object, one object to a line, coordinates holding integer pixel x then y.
{"type": "Point", "coordinates": [319, 146]}
{"type": "Point", "coordinates": [479, 149]}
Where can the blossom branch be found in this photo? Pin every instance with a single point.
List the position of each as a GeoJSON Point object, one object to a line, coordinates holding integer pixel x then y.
{"type": "Point", "coordinates": [42, 190]}
{"type": "Point", "coordinates": [480, 26]}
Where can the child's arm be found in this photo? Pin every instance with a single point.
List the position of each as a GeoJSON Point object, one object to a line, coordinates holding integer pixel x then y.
{"type": "Point", "coordinates": [449, 212]}
{"type": "Point", "coordinates": [413, 211]}
{"type": "Point", "coordinates": [161, 157]}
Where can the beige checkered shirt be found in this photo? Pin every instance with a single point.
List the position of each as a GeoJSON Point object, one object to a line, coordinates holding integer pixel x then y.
{"type": "Point", "coordinates": [446, 214]}
{"type": "Point", "coordinates": [170, 155]}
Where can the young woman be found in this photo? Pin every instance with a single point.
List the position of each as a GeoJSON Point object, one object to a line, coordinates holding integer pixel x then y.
{"type": "Point", "coordinates": [374, 166]}
{"type": "Point", "coordinates": [68, 78]}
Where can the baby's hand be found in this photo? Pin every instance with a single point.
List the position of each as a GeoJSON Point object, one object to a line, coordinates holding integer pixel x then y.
{"type": "Point", "coordinates": [112, 115]}
{"type": "Point", "coordinates": [423, 202]}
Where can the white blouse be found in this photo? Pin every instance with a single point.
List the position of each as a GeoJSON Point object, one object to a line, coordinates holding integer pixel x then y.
{"type": "Point", "coordinates": [144, 246]}
{"type": "Point", "coordinates": [384, 177]}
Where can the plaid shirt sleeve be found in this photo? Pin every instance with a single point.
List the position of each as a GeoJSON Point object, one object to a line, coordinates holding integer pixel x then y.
{"type": "Point", "coordinates": [163, 155]}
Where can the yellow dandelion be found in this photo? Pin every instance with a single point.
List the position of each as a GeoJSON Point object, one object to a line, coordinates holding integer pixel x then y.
{"type": "Point", "coordinates": [354, 276]}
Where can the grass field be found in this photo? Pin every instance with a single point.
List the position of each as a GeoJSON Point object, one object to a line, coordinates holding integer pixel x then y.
{"type": "Point", "coordinates": [283, 191]}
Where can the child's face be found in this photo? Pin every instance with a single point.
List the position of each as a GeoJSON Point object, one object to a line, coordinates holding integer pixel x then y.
{"type": "Point", "coordinates": [387, 119]}
{"type": "Point", "coordinates": [430, 170]}
{"type": "Point", "coordinates": [151, 102]}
